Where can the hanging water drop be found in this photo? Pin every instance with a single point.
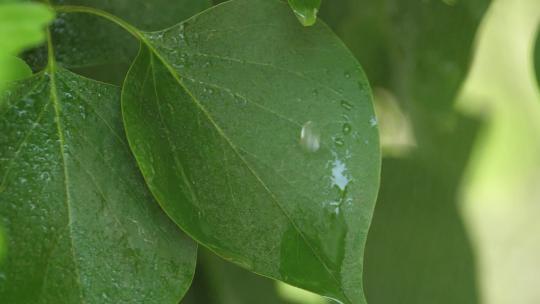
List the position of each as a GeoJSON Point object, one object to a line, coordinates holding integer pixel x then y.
{"type": "Point", "coordinates": [306, 14]}
{"type": "Point", "coordinates": [310, 138]}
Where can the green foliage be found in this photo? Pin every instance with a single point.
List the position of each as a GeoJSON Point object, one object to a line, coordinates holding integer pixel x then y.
{"type": "Point", "coordinates": [255, 135]}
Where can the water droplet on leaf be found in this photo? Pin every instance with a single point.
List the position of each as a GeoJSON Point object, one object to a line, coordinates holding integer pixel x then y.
{"type": "Point", "coordinates": [345, 104]}
{"type": "Point", "coordinates": [310, 138]}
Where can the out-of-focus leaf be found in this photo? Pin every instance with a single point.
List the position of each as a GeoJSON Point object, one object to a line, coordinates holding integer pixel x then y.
{"type": "Point", "coordinates": [537, 57]}
{"type": "Point", "coordinates": [418, 251]}
{"type": "Point", "coordinates": [21, 26]}
{"type": "Point", "coordinates": [306, 10]}
{"type": "Point", "coordinates": [502, 192]}
{"type": "Point", "coordinates": [81, 225]}
{"type": "Point", "coordinates": [276, 168]}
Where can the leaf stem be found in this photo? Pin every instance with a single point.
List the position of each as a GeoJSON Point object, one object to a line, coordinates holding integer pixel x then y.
{"type": "Point", "coordinates": [93, 11]}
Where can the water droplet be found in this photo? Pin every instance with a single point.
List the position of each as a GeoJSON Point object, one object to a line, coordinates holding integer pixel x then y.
{"type": "Point", "coordinates": [315, 92]}
{"type": "Point", "coordinates": [310, 138]}
{"type": "Point", "coordinates": [339, 141]}
{"type": "Point", "coordinates": [345, 104]}
{"type": "Point", "coordinates": [306, 15]}
{"type": "Point", "coordinates": [347, 75]}
{"type": "Point", "coordinates": [373, 122]}
{"type": "Point", "coordinates": [346, 128]}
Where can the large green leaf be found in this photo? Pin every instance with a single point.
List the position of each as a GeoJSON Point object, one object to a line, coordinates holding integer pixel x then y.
{"type": "Point", "coordinates": [81, 225]}
{"type": "Point", "coordinates": [257, 136]}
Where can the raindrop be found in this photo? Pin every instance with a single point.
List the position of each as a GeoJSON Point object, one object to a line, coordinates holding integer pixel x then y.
{"type": "Point", "coordinates": [347, 128]}
{"type": "Point", "coordinates": [345, 104]}
{"type": "Point", "coordinates": [306, 16]}
{"type": "Point", "coordinates": [347, 75]}
{"type": "Point", "coordinates": [339, 141]}
{"type": "Point", "coordinates": [310, 138]}
{"type": "Point", "coordinates": [373, 121]}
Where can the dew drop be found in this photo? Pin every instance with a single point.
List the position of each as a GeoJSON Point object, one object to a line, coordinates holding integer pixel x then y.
{"type": "Point", "coordinates": [310, 138]}
{"type": "Point", "coordinates": [339, 141]}
{"type": "Point", "coordinates": [345, 104]}
{"type": "Point", "coordinates": [347, 75]}
{"type": "Point", "coordinates": [373, 122]}
{"type": "Point", "coordinates": [307, 16]}
{"type": "Point", "coordinates": [346, 128]}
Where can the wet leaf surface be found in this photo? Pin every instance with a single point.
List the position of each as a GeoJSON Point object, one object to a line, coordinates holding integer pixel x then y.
{"type": "Point", "coordinates": [275, 169]}
{"type": "Point", "coordinates": [81, 226]}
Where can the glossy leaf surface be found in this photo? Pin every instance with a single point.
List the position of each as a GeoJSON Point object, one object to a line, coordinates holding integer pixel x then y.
{"type": "Point", "coordinates": [306, 10]}
{"type": "Point", "coordinates": [276, 168]}
{"type": "Point", "coordinates": [81, 226]}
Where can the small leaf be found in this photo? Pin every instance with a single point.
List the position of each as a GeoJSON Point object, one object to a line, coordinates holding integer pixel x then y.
{"type": "Point", "coordinates": [306, 10]}
{"type": "Point", "coordinates": [81, 226]}
{"type": "Point", "coordinates": [12, 68]}
{"type": "Point", "coordinates": [215, 110]}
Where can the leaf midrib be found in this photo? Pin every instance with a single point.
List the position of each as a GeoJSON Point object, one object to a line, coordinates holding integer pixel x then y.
{"type": "Point", "coordinates": [51, 68]}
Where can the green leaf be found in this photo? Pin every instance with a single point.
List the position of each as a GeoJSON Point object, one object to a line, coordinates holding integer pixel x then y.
{"type": "Point", "coordinates": [21, 26]}
{"type": "Point", "coordinates": [81, 226]}
{"type": "Point", "coordinates": [306, 10]}
{"type": "Point", "coordinates": [257, 136]}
